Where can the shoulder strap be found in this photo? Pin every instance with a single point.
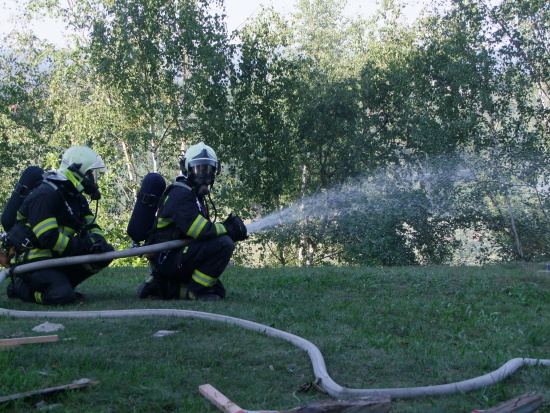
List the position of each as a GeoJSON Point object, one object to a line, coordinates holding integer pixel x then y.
{"type": "Point", "coordinates": [180, 184]}
{"type": "Point", "coordinates": [151, 236]}
{"type": "Point", "coordinates": [169, 188]}
{"type": "Point", "coordinates": [69, 209]}
{"type": "Point", "coordinates": [54, 186]}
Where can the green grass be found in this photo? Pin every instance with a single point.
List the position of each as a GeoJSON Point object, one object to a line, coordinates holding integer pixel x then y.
{"type": "Point", "coordinates": [376, 328]}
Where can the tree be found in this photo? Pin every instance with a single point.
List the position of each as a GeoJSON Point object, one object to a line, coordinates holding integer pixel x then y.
{"type": "Point", "coordinates": [25, 119]}
{"type": "Point", "coordinates": [486, 67]}
{"type": "Point", "coordinates": [143, 79]}
{"type": "Point", "coordinates": [165, 63]}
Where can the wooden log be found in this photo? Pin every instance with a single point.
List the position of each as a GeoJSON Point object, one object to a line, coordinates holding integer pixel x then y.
{"type": "Point", "coordinates": [374, 404]}
{"type": "Point", "coordinates": [76, 385]}
{"type": "Point", "coordinates": [10, 342]}
{"type": "Point", "coordinates": [528, 403]}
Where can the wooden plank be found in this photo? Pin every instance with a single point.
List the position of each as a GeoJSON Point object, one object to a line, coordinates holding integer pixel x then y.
{"type": "Point", "coordinates": [10, 342]}
{"type": "Point", "coordinates": [76, 385]}
{"type": "Point", "coordinates": [219, 400]}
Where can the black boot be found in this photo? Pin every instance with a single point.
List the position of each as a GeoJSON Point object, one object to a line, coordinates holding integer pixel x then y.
{"type": "Point", "coordinates": [149, 288]}
{"type": "Point", "coordinates": [196, 291]}
{"type": "Point", "coordinates": [13, 290]}
{"type": "Point", "coordinates": [202, 296]}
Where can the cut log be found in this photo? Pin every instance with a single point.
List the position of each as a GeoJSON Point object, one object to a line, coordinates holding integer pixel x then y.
{"type": "Point", "coordinates": [51, 390]}
{"type": "Point", "coordinates": [375, 404]}
{"type": "Point", "coordinates": [528, 403]}
{"type": "Point", "coordinates": [10, 342]}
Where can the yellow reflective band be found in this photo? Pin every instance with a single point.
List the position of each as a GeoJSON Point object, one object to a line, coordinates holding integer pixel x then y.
{"type": "Point", "coordinates": [89, 219]}
{"type": "Point", "coordinates": [164, 222]}
{"type": "Point", "coordinates": [61, 244]}
{"type": "Point", "coordinates": [96, 231]}
{"type": "Point", "coordinates": [20, 216]}
{"type": "Point", "coordinates": [197, 227]}
{"type": "Point", "coordinates": [38, 253]}
{"type": "Point", "coordinates": [204, 279]}
{"type": "Point", "coordinates": [47, 224]}
{"type": "Point", "coordinates": [66, 230]}
{"type": "Point", "coordinates": [38, 297]}
{"type": "Point", "coordinates": [220, 229]}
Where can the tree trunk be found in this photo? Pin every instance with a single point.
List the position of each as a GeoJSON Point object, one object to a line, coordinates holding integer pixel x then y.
{"type": "Point", "coordinates": [514, 229]}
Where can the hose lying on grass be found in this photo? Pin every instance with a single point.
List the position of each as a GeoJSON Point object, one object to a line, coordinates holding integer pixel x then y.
{"type": "Point", "coordinates": [317, 360]}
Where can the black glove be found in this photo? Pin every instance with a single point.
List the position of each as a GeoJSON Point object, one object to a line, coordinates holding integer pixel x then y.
{"type": "Point", "coordinates": [99, 244]}
{"type": "Point", "coordinates": [235, 228]}
{"type": "Point", "coordinates": [80, 245]}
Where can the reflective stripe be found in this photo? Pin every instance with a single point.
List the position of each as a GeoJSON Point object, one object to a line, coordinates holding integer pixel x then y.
{"type": "Point", "coordinates": [67, 231]}
{"type": "Point", "coordinates": [89, 219]}
{"type": "Point", "coordinates": [61, 244]}
{"type": "Point", "coordinates": [220, 229]}
{"type": "Point", "coordinates": [38, 297]}
{"type": "Point", "coordinates": [96, 231]}
{"type": "Point", "coordinates": [20, 216]}
{"type": "Point", "coordinates": [204, 279]}
{"type": "Point", "coordinates": [164, 222]}
{"type": "Point", "coordinates": [197, 227]}
{"type": "Point", "coordinates": [46, 225]}
{"type": "Point", "coordinates": [38, 253]}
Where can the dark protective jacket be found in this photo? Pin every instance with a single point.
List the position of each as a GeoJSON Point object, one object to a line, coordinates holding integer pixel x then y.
{"type": "Point", "coordinates": [183, 215]}
{"type": "Point", "coordinates": [199, 264]}
{"type": "Point", "coordinates": [56, 217]}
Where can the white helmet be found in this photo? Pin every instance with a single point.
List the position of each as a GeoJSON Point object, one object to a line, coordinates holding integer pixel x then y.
{"type": "Point", "coordinates": [200, 165]}
{"type": "Point", "coordinates": [82, 165]}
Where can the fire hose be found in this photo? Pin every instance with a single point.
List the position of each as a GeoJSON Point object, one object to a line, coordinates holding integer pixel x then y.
{"type": "Point", "coordinates": [319, 368]}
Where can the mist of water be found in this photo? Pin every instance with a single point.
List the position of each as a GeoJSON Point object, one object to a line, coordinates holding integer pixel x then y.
{"type": "Point", "coordinates": [373, 193]}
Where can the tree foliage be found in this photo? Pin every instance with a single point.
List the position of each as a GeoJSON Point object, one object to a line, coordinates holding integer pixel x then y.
{"type": "Point", "coordinates": [436, 129]}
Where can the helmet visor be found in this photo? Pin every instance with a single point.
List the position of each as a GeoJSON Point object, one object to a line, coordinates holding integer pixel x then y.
{"type": "Point", "coordinates": [94, 174]}
{"type": "Point", "coordinates": [203, 174]}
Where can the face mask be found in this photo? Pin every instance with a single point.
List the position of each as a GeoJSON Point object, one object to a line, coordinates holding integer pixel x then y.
{"type": "Point", "coordinates": [203, 178]}
{"type": "Point", "coordinates": [90, 186]}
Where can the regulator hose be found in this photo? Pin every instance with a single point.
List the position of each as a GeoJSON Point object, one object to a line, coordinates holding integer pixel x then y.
{"type": "Point", "coordinates": [317, 360]}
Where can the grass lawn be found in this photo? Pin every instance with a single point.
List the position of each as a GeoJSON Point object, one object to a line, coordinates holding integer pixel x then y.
{"type": "Point", "coordinates": [376, 328]}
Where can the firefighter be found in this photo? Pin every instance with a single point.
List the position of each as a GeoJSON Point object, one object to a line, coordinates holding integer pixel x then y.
{"type": "Point", "coordinates": [55, 221]}
{"type": "Point", "coordinates": [192, 272]}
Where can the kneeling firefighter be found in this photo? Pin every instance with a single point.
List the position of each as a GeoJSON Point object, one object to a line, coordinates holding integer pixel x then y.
{"type": "Point", "coordinates": [193, 271]}
{"type": "Point", "coordinates": [55, 221]}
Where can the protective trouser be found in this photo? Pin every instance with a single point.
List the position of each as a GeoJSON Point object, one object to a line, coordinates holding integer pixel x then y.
{"type": "Point", "coordinates": [197, 265]}
{"type": "Point", "coordinates": [55, 286]}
